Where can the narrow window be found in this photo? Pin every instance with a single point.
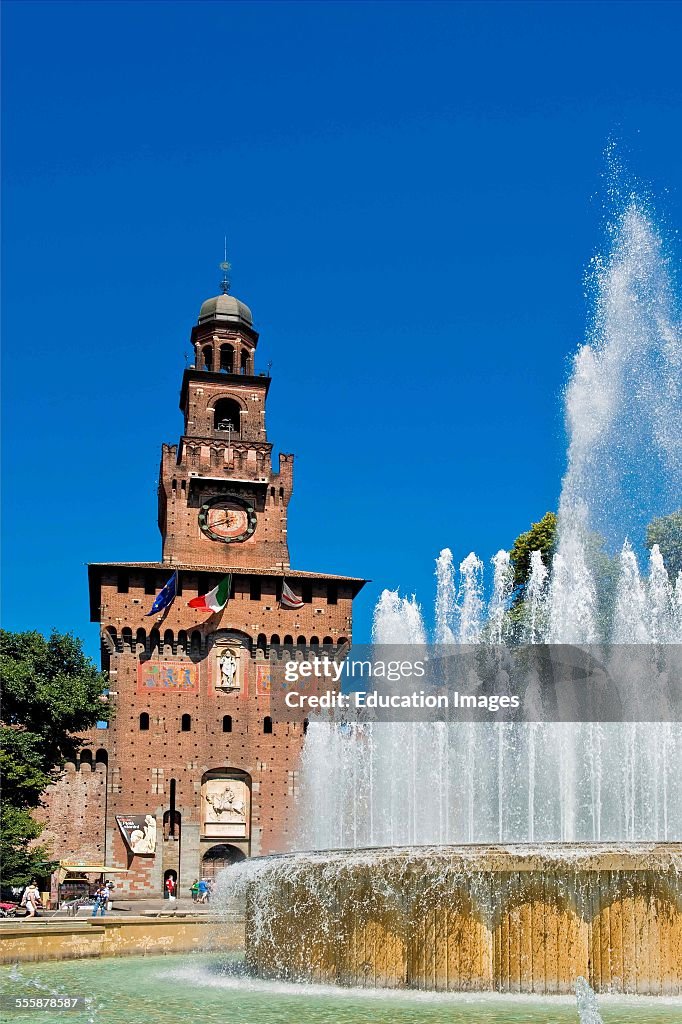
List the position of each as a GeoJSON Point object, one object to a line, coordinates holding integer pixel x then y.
{"type": "Point", "coordinates": [150, 585]}
{"type": "Point", "coordinates": [172, 807]}
{"type": "Point", "coordinates": [123, 583]}
{"type": "Point", "coordinates": [144, 721]}
{"type": "Point", "coordinates": [186, 723]}
{"type": "Point", "coordinates": [208, 358]}
{"type": "Point", "coordinates": [307, 592]}
{"type": "Point", "coordinates": [267, 725]}
{"type": "Point", "coordinates": [254, 588]}
{"type": "Point", "coordinates": [306, 723]}
{"type": "Point", "coordinates": [227, 723]}
{"type": "Point", "coordinates": [332, 594]}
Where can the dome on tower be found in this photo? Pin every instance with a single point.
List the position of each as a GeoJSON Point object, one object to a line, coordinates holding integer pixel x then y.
{"type": "Point", "coordinates": [225, 307]}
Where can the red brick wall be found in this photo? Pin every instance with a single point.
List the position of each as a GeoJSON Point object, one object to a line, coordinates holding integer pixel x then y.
{"type": "Point", "coordinates": [74, 813]}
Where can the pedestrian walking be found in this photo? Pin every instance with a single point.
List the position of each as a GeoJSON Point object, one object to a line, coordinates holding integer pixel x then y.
{"type": "Point", "coordinates": [194, 890]}
{"type": "Point", "coordinates": [170, 887]}
{"type": "Point", "coordinates": [203, 890]}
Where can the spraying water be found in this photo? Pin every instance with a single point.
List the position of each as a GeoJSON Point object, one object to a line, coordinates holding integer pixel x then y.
{"type": "Point", "coordinates": [588, 1009]}
{"type": "Point", "coordinates": [387, 784]}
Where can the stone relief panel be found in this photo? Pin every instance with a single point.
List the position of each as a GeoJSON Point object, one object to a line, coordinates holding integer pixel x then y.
{"type": "Point", "coordinates": [225, 807]}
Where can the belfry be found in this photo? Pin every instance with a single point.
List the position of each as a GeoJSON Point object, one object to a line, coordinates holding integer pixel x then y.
{"type": "Point", "coordinates": [192, 774]}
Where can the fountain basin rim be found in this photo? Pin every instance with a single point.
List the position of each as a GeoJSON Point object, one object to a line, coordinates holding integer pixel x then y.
{"type": "Point", "coordinates": [598, 856]}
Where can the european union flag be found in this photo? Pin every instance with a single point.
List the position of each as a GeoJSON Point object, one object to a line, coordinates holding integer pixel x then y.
{"type": "Point", "coordinates": [165, 597]}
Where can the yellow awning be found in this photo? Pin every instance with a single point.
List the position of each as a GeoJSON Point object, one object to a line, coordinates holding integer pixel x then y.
{"type": "Point", "coordinates": [66, 868]}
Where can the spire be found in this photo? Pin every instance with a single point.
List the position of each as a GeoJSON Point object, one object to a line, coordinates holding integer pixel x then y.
{"type": "Point", "coordinates": [225, 267]}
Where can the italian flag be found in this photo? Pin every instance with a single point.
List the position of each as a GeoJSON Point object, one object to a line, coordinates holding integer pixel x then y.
{"type": "Point", "coordinates": [216, 599]}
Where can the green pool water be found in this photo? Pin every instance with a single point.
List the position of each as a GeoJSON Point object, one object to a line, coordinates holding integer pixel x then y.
{"type": "Point", "coordinates": [200, 988]}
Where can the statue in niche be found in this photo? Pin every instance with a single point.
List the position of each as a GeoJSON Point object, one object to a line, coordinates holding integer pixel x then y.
{"type": "Point", "coordinates": [227, 668]}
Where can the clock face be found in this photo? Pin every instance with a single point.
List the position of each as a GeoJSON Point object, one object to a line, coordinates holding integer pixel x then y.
{"type": "Point", "coordinates": [229, 520]}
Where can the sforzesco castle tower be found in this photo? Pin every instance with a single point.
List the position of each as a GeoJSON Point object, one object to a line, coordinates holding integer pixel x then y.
{"type": "Point", "coordinates": [192, 773]}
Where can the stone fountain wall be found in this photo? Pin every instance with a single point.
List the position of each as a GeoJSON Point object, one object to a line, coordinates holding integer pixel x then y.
{"type": "Point", "coordinates": [506, 919]}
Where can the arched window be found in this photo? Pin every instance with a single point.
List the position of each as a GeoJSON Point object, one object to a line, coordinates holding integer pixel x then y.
{"type": "Point", "coordinates": [314, 641]}
{"type": "Point", "coordinates": [141, 640]}
{"type": "Point", "coordinates": [261, 642]}
{"type": "Point", "coordinates": [227, 358]}
{"type": "Point", "coordinates": [186, 723]}
{"type": "Point", "coordinates": [86, 758]}
{"type": "Point", "coordinates": [227, 723]}
{"type": "Point", "coordinates": [342, 641]}
{"type": "Point", "coordinates": [127, 637]}
{"type": "Point", "coordinates": [267, 725]}
{"type": "Point", "coordinates": [327, 642]}
{"type": "Point", "coordinates": [144, 721]}
{"type": "Point", "coordinates": [182, 641]}
{"type": "Point", "coordinates": [101, 757]}
{"type": "Point", "coordinates": [288, 641]}
{"type": "Point", "coordinates": [168, 642]}
{"type": "Point", "coordinates": [245, 361]}
{"type": "Point", "coordinates": [226, 416]}
{"type": "Point", "coordinates": [207, 353]}
{"type": "Point", "coordinates": [301, 642]}
{"type": "Point", "coordinates": [274, 640]}
{"type": "Point", "coordinates": [172, 825]}
{"type": "Point", "coordinates": [154, 641]}
{"type": "Point", "coordinates": [195, 643]}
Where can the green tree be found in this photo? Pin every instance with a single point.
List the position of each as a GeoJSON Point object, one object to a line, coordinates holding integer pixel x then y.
{"type": "Point", "coordinates": [666, 531]}
{"type": "Point", "coordinates": [51, 692]}
{"type": "Point", "coordinates": [540, 537]}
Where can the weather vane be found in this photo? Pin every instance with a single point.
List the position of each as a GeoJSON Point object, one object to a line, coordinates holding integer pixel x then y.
{"type": "Point", "coordinates": [225, 267]}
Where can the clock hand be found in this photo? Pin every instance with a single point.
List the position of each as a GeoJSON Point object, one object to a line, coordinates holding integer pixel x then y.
{"type": "Point", "coordinates": [220, 522]}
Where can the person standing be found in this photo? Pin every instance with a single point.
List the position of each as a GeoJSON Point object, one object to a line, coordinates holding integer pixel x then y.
{"type": "Point", "coordinates": [101, 898]}
{"type": "Point", "coordinates": [195, 890]}
{"type": "Point", "coordinates": [203, 890]}
{"type": "Point", "coordinates": [31, 899]}
{"type": "Point", "coordinates": [109, 887]}
{"type": "Point", "coordinates": [170, 887]}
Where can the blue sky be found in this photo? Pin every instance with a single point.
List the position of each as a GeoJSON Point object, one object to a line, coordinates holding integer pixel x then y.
{"type": "Point", "coordinates": [411, 194]}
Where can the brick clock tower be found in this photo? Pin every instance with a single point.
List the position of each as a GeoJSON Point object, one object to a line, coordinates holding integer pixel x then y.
{"type": "Point", "coordinates": [192, 774]}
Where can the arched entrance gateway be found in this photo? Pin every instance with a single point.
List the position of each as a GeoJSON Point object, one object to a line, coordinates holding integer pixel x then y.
{"type": "Point", "coordinates": [170, 873]}
{"type": "Point", "coordinates": [219, 857]}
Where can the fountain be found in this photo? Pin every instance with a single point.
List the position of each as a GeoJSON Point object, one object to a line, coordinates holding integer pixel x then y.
{"type": "Point", "coordinates": [517, 856]}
